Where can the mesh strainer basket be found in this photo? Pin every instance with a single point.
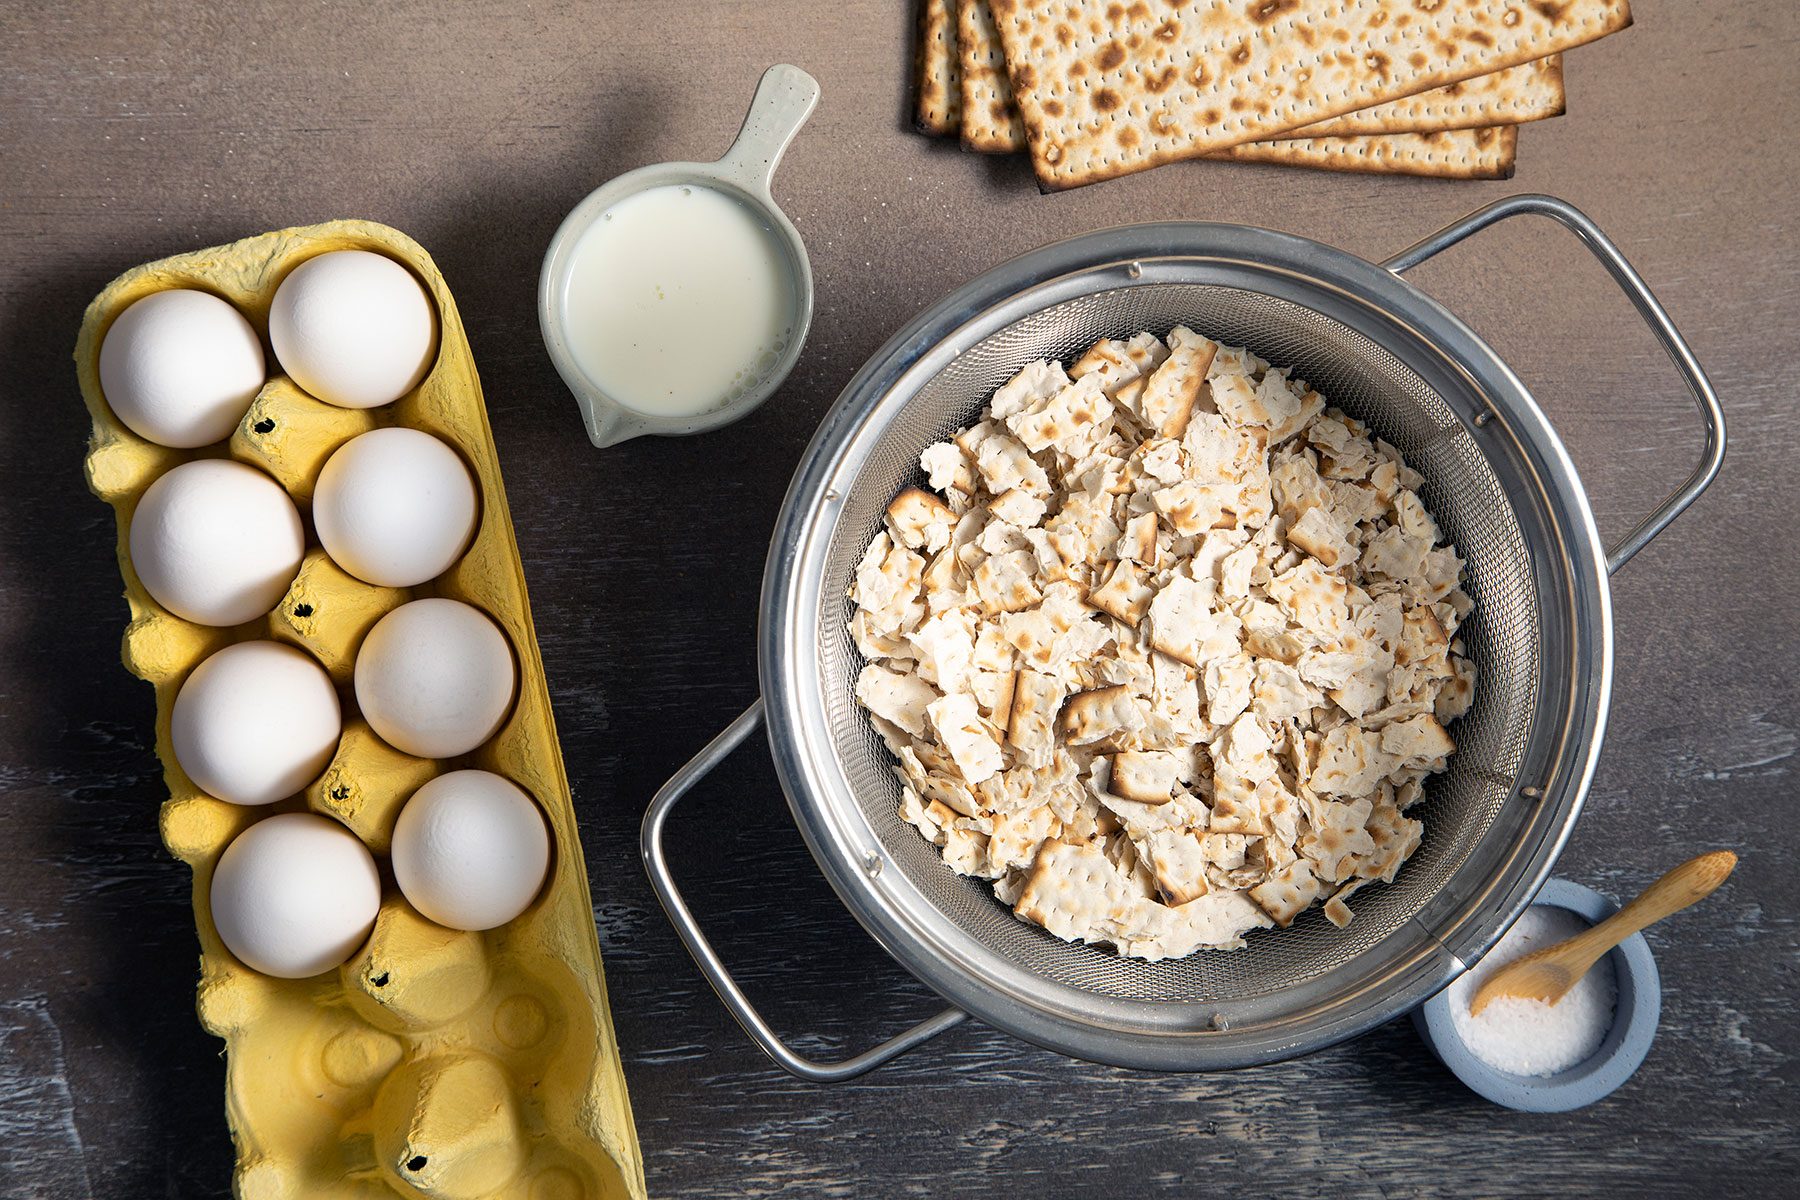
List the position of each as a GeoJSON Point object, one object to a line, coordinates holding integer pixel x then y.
{"type": "Point", "coordinates": [1497, 478]}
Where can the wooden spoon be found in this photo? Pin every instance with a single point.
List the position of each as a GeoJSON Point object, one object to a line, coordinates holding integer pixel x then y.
{"type": "Point", "coordinates": [1548, 974]}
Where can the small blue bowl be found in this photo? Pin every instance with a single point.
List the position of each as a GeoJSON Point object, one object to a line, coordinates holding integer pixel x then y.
{"type": "Point", "coordinates": [1627, 1042]}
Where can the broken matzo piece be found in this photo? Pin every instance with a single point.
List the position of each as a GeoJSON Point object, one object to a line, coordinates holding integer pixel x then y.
{"type": "Point", "coordinates": [1176, 863]}
{"type": "Point", "coordinates": [893, 696]}
{"type": "Point", "coordinates": [1035, 383]}
{"type": "Point", "coordinates": [1173, 389]}
{"type": "Point", "coordinates": [1139, 541]}
{"type": "Point", "coordinates": [1349, 762]}
{"type": "Point", "coordinates": [1229, 683]}
{"type": "Point", "coordinates": [962, 732]}
{"type": "Point", "coordinates": [1147, 776]}
{"type": "Point", "coordinates": [920, 520]}
{"type": "Point", "coordinates": [946, 467]}
{"type": "Point", "coordinates": [1017, 836]}
{"type": "Point", "coordinates": [1031, 725]}
{"type": "Point", "coordinates": [1335, 838]}
{"type": "Point", "coordinates": [1125, 593]}
{"type": "Point", "coordinates": [1235, 806]}
{"type": "Point", "coordinates": [1018, 508]}
{"type": "Point", "coordinates": [888, 576]}
{"type": "Point", "coordinates": [1185, 626]}
{"type": "Point", "coordinates": [1288, 894]}
{"type": "Point", "coordinates": [1217, 920]}
{"type": "Point", "coordinates": [1100, 713]}
{"type": "Point", "coordinates": [1120, 362]}
{"type": "Point", "coordinates": [1063, 416]}
{"type": "Point", "coordinates": [1007, 582]}
{"type": "Point", "coordinates": [1076, 893]}
{"type": "Point", "coordinates": [1418, 742]}
{"type": "Point", "coordinates": [1004, 464]}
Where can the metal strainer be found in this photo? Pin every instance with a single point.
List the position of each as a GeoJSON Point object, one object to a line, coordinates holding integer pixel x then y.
{"type": "Point", "coordinates": [1503, 489]}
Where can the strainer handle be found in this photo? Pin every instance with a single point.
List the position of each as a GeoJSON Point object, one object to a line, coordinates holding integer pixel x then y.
{"type": "Point", "coordinates": [1638, 292]}
{"type": "Point", "coordinates": [656, 864]}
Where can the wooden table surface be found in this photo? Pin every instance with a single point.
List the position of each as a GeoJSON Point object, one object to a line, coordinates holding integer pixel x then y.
{"type": "Point", "coordinates": [131, 131]}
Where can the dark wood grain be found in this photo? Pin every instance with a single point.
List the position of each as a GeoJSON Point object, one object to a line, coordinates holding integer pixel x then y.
{"type": "Point", "coordinates": [129, 131]}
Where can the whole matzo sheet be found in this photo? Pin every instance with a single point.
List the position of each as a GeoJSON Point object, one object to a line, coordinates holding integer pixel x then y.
{"type": "Point", "coordinates": [937, 87]}
{"type": "Point", "coordinates": [991, 123]}
{"type": "Point", "coordinates": [1108, 91]}
{"type": "Point", "coordinates": [1448, 154]}
{"type": "Point", "coordinates": [1513, 95]}
{"type": "Point", "coordinates": [1530, 91]}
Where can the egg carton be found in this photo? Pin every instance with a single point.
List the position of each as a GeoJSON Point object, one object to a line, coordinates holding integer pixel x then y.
{"type": "Point", "coordinates": [435, 1062]}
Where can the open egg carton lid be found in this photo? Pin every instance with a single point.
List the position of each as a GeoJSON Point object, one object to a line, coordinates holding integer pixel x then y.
{"type": "Point", "coordinates": [435, 1061]}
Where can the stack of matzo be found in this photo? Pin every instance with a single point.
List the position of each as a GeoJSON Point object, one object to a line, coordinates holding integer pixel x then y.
{"type": "Point", "coordinates": [1095, 89]}
{"type": "Point", "coordinates": [1166, 651]}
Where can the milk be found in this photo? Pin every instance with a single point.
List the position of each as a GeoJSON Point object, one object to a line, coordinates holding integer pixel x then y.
{"type": "Point", "coordinates": [678, 300]}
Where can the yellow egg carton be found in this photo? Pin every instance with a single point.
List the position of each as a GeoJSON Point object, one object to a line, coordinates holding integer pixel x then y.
{"type": "Point", "coordinates": [435, 1062]}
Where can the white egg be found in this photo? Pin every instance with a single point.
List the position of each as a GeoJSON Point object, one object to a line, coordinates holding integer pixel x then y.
{"type": "Point", "coordinates": [395, 507]}
{"type": "Point", "coordinates": [180, 368]}
{"type": "Point", "coordinates": [216, 542]}
{"type": "Point", "coordinates": [255, 723]}
{"type": "Point", "coordinates": [354, 328]}
{"type": "Point", "coordinates": [435, 678]}
{"type": "Point", "coordinates": [470, 850]}
{"type": "Point", "coordinates": [295, 895]}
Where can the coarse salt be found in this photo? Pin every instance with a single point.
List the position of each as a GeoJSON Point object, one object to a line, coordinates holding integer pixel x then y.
{"type": "Point", "coordinates": [1529, 1037]}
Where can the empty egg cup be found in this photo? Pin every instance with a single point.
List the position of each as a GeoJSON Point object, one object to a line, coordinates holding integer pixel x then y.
{"type": "Point", "coordinates": [1635, 1014]}
{"type": "Point", "coordinates": [784, 99]}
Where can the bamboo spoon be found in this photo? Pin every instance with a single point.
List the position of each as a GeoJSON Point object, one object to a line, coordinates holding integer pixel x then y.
{"type": "Point", "coordinates": [1548, 974]}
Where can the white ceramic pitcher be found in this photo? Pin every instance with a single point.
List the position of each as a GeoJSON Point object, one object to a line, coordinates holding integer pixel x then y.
{"type": "Point", "coordinates": [784, 99]}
